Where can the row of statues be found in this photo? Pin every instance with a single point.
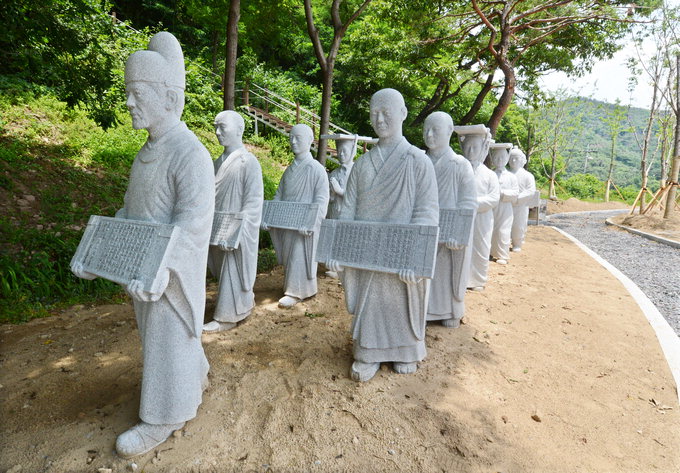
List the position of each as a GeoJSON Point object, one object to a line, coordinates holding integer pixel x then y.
{"type": "Point", "coordinates": [176, 189]}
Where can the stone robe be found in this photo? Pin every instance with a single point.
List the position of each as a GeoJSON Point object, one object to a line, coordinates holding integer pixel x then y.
{"type": "Point", "coordinates": [502, 215]}
{"type": "Point", "coordinates": [238, 188]}
{"type": "Point", "coordinates": [457, 190]}
{"type": "Point", "coordinates": [488, 194]}
{"type": "Point", "coordinates": [341, 175]}
{"type": "Point", "coordinates": [389, 315]}
{"type": "Point", "coordinates": [172, 182]}
{"type": "Point", "coordinates": [305, 180]}
{"type": "Point", "coordinates": [520, 209]}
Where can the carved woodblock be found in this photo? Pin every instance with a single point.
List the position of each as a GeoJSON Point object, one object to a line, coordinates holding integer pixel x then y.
{"type": "Point", "coordinates": [455, 225]}
{"type": "Point", "coordinates": [289, 215]}
{"type": "Point", "coordinates": [226, 228]}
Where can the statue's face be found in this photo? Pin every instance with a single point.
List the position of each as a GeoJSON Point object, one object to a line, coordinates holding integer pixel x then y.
{"type": "Point", "coordinates": [436, 133]}
{"type": "Point", "coordinates": [146, 104]}
{"type": "Point", "coordinates": [300, 140]}
{"type": "Point", "coordinates": [475, 148]}
{"type": "Point", "coordinates": [499, 158]}
{"type": "Point", "coordinates": [516, 161]}
{"type": "Point", "coordinates": [228, 132]}
{"type": "Point", "coordinates": [346, 150]}
{"type": "Point", "coordinates": [386, 116]}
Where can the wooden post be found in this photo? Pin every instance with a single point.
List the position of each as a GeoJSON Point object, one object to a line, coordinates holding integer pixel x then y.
{"type": "Point", "coordinates": [297, 112]}
{"type": "Point", "coordinates": [266, 100]}
{"type": "Point", "coordinates": [675, 169]}
{"type": "Point", "coordinates": [246, 93]}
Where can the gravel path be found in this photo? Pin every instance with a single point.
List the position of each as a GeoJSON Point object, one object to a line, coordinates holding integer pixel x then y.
{"type": "Point", "coordinates": [653, 266]}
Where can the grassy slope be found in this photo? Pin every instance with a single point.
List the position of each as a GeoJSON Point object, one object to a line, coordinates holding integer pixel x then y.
{"type": "Point", "coordinates": [57, 168]}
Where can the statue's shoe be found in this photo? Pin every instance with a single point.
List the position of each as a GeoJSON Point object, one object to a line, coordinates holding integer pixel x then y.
{"type": "Point", "coordinates": [516, 249]}
{"type": "Point", "coordinates": [502, 261]}
{"type": "Point", "coordinates": [361, 371]}
{"type": "Point", "coordinates": [451, 323]}
{"type": "Point", "coordinates": [405, 368]}
{"type": "Point", "coordinates": [476, 288]}
{"type": "Point", "coordinates": [217, 326]}
{"type": "Point", "coordinates": [288, 301]}
{"type": "Point", "coordinates": [144, 437]}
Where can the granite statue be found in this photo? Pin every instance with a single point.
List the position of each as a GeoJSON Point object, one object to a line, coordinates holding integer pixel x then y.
{"type": "Point", "coordinates": [305, 180]}
{"type": "Point", "coordinates": [502, 214]}
{"type": "Point", "coordinates": [527, 190]}
{"type": "Point", "coordinates": [171, 182]}
{"type": "Point", "coordinates": [337, 179]}
{"type": "Point", "coordinates": [393, 183]}
{"type": "Point", "coordinates": [475, 141]}
{"type": "Point", "coordinates": [238, 191]}
{"type": "Point", "coordinates": [457, 190]}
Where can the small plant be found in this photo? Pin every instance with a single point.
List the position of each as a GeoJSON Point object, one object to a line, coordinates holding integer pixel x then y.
{"type": "Point", "coordinates": [312, 315]}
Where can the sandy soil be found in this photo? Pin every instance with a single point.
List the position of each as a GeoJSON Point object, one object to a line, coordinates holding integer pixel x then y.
{"type": "Point", "coordinates": [656, 224]}
{"type": "Point", "coordinates": [575, 205]}
{"type": "Point", "coordinates": [555, 369]}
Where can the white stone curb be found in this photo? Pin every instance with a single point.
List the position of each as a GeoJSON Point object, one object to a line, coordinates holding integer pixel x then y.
{"type": "Point", "coordinates": [581, 212]}
{"type": "Point", "coordinates": [669, 341]}
{"type": "Point", "coordinates": [649, 236]}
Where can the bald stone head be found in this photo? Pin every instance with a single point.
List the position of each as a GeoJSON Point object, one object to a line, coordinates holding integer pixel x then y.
{"type": "Point", "coordinates": [229, 127]}
{"type": "Point", "coordinates": [301, 138]}
{"type": "Point", "coordinates": [437, 131]}
{"type": "Point", "coordinates": [388, 112]}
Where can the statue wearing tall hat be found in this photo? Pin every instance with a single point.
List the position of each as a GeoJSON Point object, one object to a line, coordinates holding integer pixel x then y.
{"type": "Point", "coordinates": [337, 179]}
{"type": "Point", "coordinates": [499, 154]}
{"type": "Point", "coordinates": [171, 182]}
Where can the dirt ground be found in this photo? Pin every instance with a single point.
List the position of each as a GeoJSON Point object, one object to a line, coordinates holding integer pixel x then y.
{"type": "Point", "coordinates": [576, 205]}
{"type": "Point", "coordinates": [556, 369]}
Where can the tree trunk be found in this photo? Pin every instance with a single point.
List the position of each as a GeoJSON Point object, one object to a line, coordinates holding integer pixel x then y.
{"type": "Point", "coordinates": [506, 98]}
{"type": "Point", "coordinates": [675, 169]}
{"type": "Point", "coordinates": [611, 169]}
{"type": "Point", "coordinates": [230, 60]}
{"type": "Point", "coordinates": [326, 96]}
{"type": "Point", "coordinates": [434, 102]}
{"type": "Point", "coordinates": [479, 100]}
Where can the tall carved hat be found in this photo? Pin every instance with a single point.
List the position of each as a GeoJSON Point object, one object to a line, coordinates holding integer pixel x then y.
{"type": "Point", "coordinates": [162, 62]}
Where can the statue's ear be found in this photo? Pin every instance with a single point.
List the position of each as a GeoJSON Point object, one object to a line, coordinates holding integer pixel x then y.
{"type": "Point", "coordinates": [171, 99]}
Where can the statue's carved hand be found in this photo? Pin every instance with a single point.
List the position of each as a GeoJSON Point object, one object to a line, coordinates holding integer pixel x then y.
{"type": "Point", "coordinates": [408, 276]}
{"type": "Point", "coordinates": [305, 232]}
{"type": "Point", "coordinates": [81, 273]}
{"type": "Point", "coordinates": [454, 246]}
{"type": "Point", "coordinates": [264, 226]}
{"type": "Point", "coordinates": [333, 265]}
{"type": "Point", "coordinates": [136, 289]}
{"type": "Point", "coordinates": [335, 185]}
{"type": "Point", "coordinates": [224, 247]}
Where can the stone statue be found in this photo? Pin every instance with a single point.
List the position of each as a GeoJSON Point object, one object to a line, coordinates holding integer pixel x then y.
{"type": "Point", "coordinates": [337, 179]}
{"type": "Point", "coordinates": [502, 214]}
{"type": "Point", "coordinates": [305, 180]}
{"type": "Point", "coordinates": [171, 182]}
{"type": "Point", "coordinates": [238, 189]}
{"type": "Point", "coordinates": [395, 183]}
{"type": "Point", "coordinates": [527, 189]}
{"type": "Point", "coordinates": [457, 189]}
{"type": "Point", "coordinates": [474, 141]}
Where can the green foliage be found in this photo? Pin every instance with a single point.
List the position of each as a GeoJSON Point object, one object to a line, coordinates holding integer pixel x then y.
{"type": "Point", "coordinates": [583, 186]}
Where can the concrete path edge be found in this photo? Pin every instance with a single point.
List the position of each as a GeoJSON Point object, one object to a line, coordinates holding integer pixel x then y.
{"type": "Point", "coordinates": [669, 341]}
{"type": "Point", "coordinates": [649, 236]}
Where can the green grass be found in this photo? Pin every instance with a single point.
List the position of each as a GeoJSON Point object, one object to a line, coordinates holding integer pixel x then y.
{"type": "Point", "coordinates": [70, 168]}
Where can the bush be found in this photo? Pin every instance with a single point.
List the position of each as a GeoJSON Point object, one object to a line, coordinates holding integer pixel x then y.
{"type": "Point", "coordinates": [583, 186]}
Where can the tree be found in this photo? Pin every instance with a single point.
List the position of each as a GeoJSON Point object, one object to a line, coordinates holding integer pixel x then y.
{"type": "Point", "coordinates": [230, 57]}
{"type": "Point", "coordinates": [327, 61]}
{"type": "Point", "coordinates": [615, 124]}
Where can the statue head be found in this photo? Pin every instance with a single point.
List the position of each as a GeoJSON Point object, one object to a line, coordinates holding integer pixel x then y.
{"type": "Point", "coordinates": [499, 154]}
{"type": "Point", "coordinates": [388, 112]}
{"type": "Point", "coordinates": [155, 82]}
{"type": "Point", "coordinates": [229, 126]}
{"type": "Point", "coordinates": [437, 130]}
{"type": "Point", "coordinates": [474, 141]}
{"type": "Point", "coordinates": [347, 148]}
{"type": "Point", "coordinates": [517, 159]}
{"type": "Point", "coordinates": [301, 138]}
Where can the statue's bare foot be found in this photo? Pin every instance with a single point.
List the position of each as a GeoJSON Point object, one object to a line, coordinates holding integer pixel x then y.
{"type": "Point", "coordinates": [288, 301]}
{"type": "Point", "coordinates": [502, 261]}
{"type": "Point", "coordinates": [144, 437]}
{"type": "Point", "coordinates": [363, 371]}
{"type": "Point", "coordinates": [405, 368]}
{"type": "Point", "coordinates": [217, 326]}
{"type": "Point", "coordinates": [451, 323]}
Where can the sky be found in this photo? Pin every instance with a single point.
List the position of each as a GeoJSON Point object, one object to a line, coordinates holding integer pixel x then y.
{"type": "Point", "coordinates": [608, 80]}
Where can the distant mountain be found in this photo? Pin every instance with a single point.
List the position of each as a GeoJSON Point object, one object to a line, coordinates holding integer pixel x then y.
{"type": "Point", "coordinates": [595, 142]}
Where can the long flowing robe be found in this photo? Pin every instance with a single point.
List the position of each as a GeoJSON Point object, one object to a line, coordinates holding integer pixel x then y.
{"type": "Point", "coordinates": [172, 182]}
{"type": "Point", "coordinates": [457, 190]}
{"type": "Point", "coordinates": [520, 209]}
{"type": "Point", "coordinates": [488, 194]}
{"type": "Point", "coordinates": [305, 180]}
{"type": "Point", "coordinates": [502, 215]}
{"type": "Point", "coordinates": [341, 175]}
{"type": "Point", "coordinates": [389, 315]}
{"type": "Point", "coordinates": [238, 188]}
